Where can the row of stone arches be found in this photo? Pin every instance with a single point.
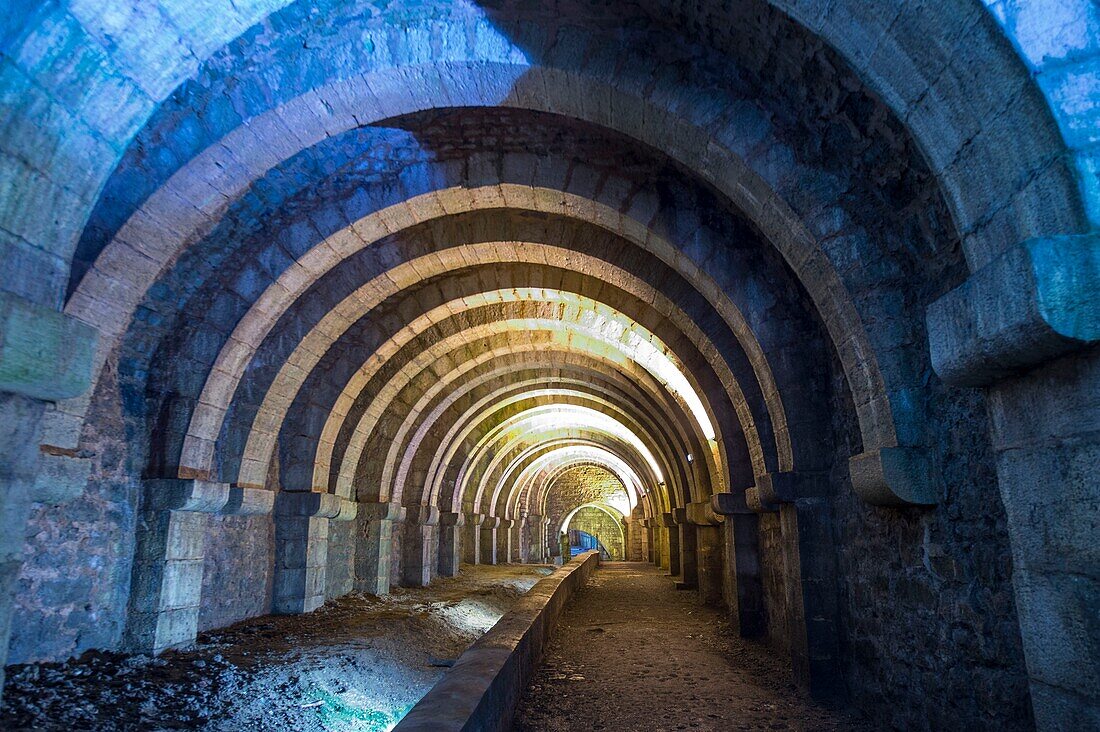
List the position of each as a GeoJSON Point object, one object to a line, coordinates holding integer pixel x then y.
{"type": "Point", "coordinates": [370, 284]}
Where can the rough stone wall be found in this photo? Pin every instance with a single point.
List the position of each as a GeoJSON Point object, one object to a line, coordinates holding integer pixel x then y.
{"type": "Point", "coordinates": [73, 588]}
{"type": "Point", "coordinates": [929, 631]}
{"type": "Point", "coordinates": [237, 571]}
{"type": "Point", "coordinates": [607, 530]}
{"type": "Point", "coordinates": [74, 585]}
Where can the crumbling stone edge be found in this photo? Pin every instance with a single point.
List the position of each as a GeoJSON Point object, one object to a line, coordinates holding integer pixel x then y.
{"type": "Point", "coordinates": [482, 689]}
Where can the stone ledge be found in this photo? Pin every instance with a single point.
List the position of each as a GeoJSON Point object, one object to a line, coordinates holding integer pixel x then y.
{"type": "Point", "coordinates": [482, 689]}
{"type": "Point", "coordinates": [1037, 301]}
{"type": "Point", "coordinates": [386, 511]}
{"type": "Point", "coordinates": [249, 502]}
{"type": "Point", "coordinates": [893, 476]}
{"type": "Point", "coordinates": [316, 505]}
{"type": "Point", "coordinates": [185, 494]}
{"type": "Point", "coordinates": [702, 513]}
{"type": "Point", "coordinates": [44, 354]}
{"type": "Point", "coordinates": [757, 504]}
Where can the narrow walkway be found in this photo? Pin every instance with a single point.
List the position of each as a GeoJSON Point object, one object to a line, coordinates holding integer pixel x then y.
{"type": "Point", "coordinates": [633, 653]}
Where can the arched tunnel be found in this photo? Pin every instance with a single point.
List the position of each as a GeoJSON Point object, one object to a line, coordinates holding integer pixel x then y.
{"type": "Point", "coordinates": [790, 305]}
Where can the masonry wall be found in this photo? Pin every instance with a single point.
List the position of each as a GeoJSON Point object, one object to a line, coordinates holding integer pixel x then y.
{"type": "Point", "coordinates": [73, 588]}
{"type": "Point", "coordinates": [928, 625]}
{"type": "Point", "coordinates": [237, 572]}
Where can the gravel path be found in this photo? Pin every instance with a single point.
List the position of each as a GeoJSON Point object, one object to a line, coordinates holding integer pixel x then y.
{"type": "Point", "coordinates": [633, 653]}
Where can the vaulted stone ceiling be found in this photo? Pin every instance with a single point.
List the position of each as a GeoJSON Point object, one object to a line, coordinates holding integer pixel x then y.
{"type": "Point", "coordinates": [385, 270]}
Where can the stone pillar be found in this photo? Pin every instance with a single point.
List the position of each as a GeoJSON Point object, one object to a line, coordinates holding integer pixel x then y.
{"type": "Point", "coordinates": [450, 543]}
{"type": "Point", "coordinates": [529, 538]}
{"type": "Point", "coordinates": [651, 549]}
{"type": "Point", "coordinates": [709, 551]}
{"type": "Point", "coordinates": [810, 574]}
{"type": "Point", "coordinates": [1025, 327]}
{"type": "Point", "coordinates": [689, 568]}
{"type": "Point", "coordinates": [744, 586]}
{"type": "Point", "coordinates": [166, 580]}
{"type": "Point", "coordinates": [517, 551]}
{"type": "Point", "coordinates": [544, 540]}
{"type": "Point", "coordinates": [489, 526]}
{"type": "Point", "coordinates": [504, 540]}
{"type": "Point", "coordinates": [301, 548]}
{"type": "Point", "coordinates": [372, 561]}
{"type": "Point", "coordinates": [672, 541]}
{"type": "Point", "coordinates": [419, 552]}
{"type": "Point", "coordinates": [471, 549]}
{"type": "Point", "coordinates": [553, 542]}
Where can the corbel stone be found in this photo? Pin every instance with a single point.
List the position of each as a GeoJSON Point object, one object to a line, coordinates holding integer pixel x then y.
{"type": "Point", "coordinates": [422, 515]}
{"type": "Point", "coordinates": [667, 520]}
{"type": "Point", "coordinates": [774, 488]}
{"type": "Point", "coordinates": [310, 504]}
{"type": "Point", "coordinates": [249, 502]}
{"type": "Point", "coordinates": [702, 513]}
{"type": "Point", "coordinates": [756, 503]}
{"type": "Point", "coordinates": [44, 354]}
{"type": "Point", "coordinates": [893, 476]}
{"type": "Point", "coordinates": [381, 511]}
{"type": "Point", "coordinates": [730, 504]}
{"type": "Point", "coordinates": [447, 518]}
{"type": "Point", "coordinates": [1038, 300]}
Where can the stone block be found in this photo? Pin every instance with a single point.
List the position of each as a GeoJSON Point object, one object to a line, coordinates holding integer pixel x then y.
{"type": "Point", "coordinates": [249, 502]}
{"type": "Point", "coordinates": [1038, 300]}
{"type": "Point", "coordinates": [728, 504]}
{"type": "Point", "coordinates": [60, 478]}
{"type": "Point", "coordinates": [893, 476]}
{"type": "Point", "coordinates": [777, 488]}
{"type": "Point", "coordinates": [308, 503]}
{"type": "Point", "coordinates": [44, 354]}
{"type": "Point", "coordinates": [189, 495]}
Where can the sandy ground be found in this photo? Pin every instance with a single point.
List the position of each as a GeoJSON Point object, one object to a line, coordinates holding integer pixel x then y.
{"type": "Point", "coordinates": [358, 663]}
{"type": "Point", "coordinates": [632, 653]}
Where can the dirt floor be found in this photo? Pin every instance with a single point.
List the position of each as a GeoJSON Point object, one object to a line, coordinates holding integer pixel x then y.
{"type": "Point", "coordinates": [633, 653]}
{"type": "Point", "coordinates": [359, 663]}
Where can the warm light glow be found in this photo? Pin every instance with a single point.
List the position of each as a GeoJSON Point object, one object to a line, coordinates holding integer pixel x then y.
{"type": "Point", "coordinates": [574, 454]}
{"type": "Point", "coordinates": [552, 418]}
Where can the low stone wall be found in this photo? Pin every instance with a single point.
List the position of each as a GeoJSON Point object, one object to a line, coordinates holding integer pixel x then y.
{"type": "Point", "coordinates": [483, 688]}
